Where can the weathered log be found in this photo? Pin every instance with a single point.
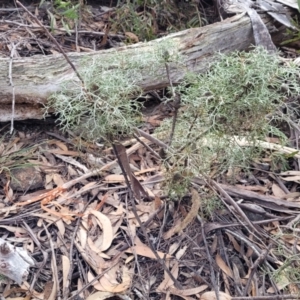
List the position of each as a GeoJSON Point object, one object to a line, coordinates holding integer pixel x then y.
{"type": "Point", "coordinates": [35, 78]}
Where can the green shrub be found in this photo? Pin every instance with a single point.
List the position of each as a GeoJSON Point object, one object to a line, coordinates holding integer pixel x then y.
{"type": "Point", "coordinates": [105, 107]}
{"type": "Point", "coordinates": [239, 96]}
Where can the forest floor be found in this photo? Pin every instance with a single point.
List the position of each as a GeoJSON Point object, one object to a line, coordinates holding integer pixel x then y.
{"type": "Point", "coordinates": [93, 234]}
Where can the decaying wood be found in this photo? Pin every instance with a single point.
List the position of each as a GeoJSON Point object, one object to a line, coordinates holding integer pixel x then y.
{"type": "Point", "coordinates": [14, 262]}
{"type": "Point", "coordinates": [35, 78]}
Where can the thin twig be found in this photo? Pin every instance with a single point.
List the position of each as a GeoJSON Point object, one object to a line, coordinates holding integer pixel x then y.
{"type": "Point", "coordinates": [147, 146]}
{"type": "Point", "coordinates": [246, 241]}
{"type": "Point", "coordinates": [253, 268]}
{"type": "Point", "coordinates": [53, 263]}
{"type": "Point", "coordinates": [50, 36]}
{"type": "Point", "coordinates": [235, 205]}
{"type": "Point", "coordinates": [65, 295]}
{"type": "Point", "coordinates": [161, 230]}
{"type": "Point", "coordinates": [12, 53]}
{"type": "Point", "coordinates": [176, 106]}
{"type": "Point", "coordinates": [153, 215]}
{"type": "Point", "coordinates": [151, 138]}
{"type": "Point", "coordinates": [175, 97]}
{"type": "Point", "coordinates": [209, 258]}
{"type": "Point", "coordinates": [78, 23]}
{"type": "Point", "coordinates": [45, 254]}
{"type": "Point", "coordinates": [84, 32]}
{"type": "Point", "coordinates": [192, 140]}
{"type": "Point", "coordinates": [131, 235]}
{"type": "Point", "coordinates": [161, 261]}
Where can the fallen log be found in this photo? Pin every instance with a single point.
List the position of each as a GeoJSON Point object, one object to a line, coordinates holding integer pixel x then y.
{"type": "Point", "coordinates": [37, 77]}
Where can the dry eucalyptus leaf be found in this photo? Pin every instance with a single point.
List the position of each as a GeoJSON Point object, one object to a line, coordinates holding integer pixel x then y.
{"type": "Point", "coordinates": [212, 296]}
{"type": "Point", "coordinates": [277, 191]}
{"type": "Point", "coordinates": [100, 296]}
{"type": "Point", "coordinates": [222, 265]}
{"type": "Point", "coordinates": [65, 269]}
{"type": "Point", "coordinates": [105, 224]}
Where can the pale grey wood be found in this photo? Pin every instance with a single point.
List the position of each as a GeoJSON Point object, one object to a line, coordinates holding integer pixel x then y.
{"type": "Point", "coordinates": [35, 78]}
{"type": "Point", "coordinates": [15, 262]}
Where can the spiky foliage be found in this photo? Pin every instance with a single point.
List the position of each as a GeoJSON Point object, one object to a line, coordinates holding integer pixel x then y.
{"type": "Point", "coordinates": [238, 96]}
{"type": "Point", "coordinates": [105, 106]}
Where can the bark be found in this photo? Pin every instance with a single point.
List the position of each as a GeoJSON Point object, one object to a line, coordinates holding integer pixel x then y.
{"type": "Point", "coordinates": [35, 78]}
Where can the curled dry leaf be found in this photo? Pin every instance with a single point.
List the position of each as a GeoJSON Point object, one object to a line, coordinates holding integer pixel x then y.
{"type": "Point", "coordinates": [94, 246]}
{"type": "Point", "coordinates": [236, 245]}
{"type": "Point", "coordinates": [212, 296]}
{"type": "Point", "coordinates": [174, 247]}
{"type": "Point", "coordinates": [59, 144]}
{"type": "Point", "coordinates": [96, 262]}
{"type": "Point", "coordinates": [61, 227]}
{"type": "Point", "coordinates": [106, 227]}
{"type": "Point", "coordinates": [291, 178]}
{"type": "Point", "coordinates": [16, 230]}
{"type": "Point", "coordinates": [48, 289]}
{"type": "Point", "coordinates": [132, 36]}
{"type": "Point", "coordinates": [196, 202]}
{"type": "Point", "coordinates": [73, 162]}
{"type": "Point", "coordinates": [115, 280]}
{"type": "Point", "coordinates": [114, 178]}
{"type": "Point", "coordinates": [181, 252]}
{"type": "Point", "coordinates": [290, 173]}
{"type": "Point", "coordinates": [8, 192]}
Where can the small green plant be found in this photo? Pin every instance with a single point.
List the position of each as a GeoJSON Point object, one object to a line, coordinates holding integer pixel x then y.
{"type": "Point", "coordinates": [279, 161]}
{"type": "Point", "coordinates": [148, 18]}
{"type": "Point", "coordinates": [67, 8]}
{"type": "Point", "coordinates": [287, 272]}
{"type": "Point", "coordinates": [2, 278]}
{"type": "Point", "coordinates": [105, 107]}
{"type": "Point", "coordinates": [127, 18]}
{"type": "Point", "coordinates": [210, 204]}
{"type": "Point", "coordinates": [14, 155]}
{"type": "Point", "coordinates": [65, 11]}
{"type": "Point", "coordinates": [237, 98]}
{"type": "Point", "coordinates": [293, 35]}
{"type": "Point", "coordinates": [176, 184]}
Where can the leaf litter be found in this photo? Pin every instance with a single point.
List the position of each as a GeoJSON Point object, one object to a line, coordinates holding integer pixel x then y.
{"type": "Point", "coordinates": [86, 240]}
